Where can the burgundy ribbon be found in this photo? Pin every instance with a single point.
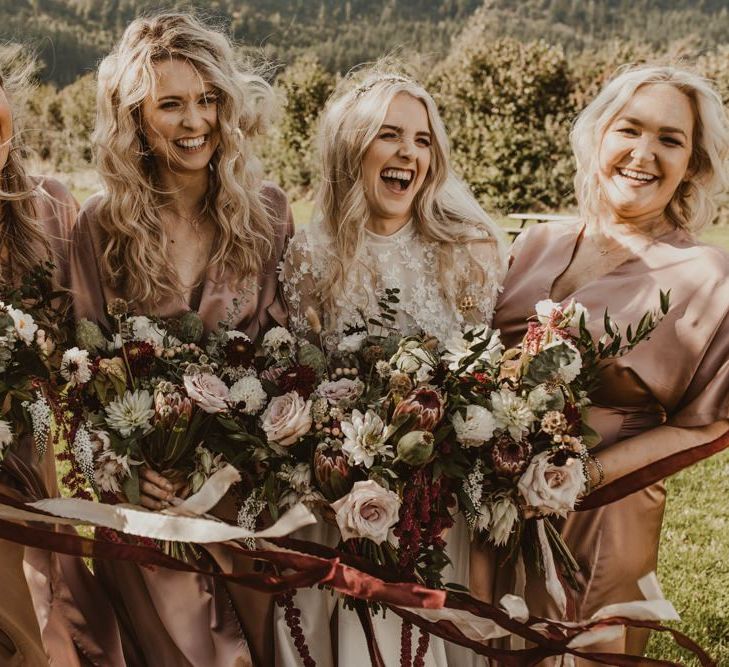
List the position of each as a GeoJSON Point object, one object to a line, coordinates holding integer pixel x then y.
{"type": "Point", "coordinates": [652, 473]}
{"type": "Point", "coordinates": [351, 575]}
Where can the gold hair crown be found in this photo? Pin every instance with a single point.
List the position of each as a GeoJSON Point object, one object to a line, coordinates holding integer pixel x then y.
{"type": "Point", "coordinates": [390, 78]}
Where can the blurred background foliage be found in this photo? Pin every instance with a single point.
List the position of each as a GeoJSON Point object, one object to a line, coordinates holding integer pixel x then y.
{"type": "Point", "coordinates": [508, 75]}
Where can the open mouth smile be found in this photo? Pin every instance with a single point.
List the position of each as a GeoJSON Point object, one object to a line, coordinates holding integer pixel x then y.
{"type": "Point", "coordinates": [638, 177]}
{"type": "Point", "coordinates": [192, 144]}
{"type": "Point", "coordinates": [397, 180]}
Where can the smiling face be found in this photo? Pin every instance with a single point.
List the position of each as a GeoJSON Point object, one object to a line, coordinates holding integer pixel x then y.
{"type": "Point", "coordinates": [396, 163]}
{"type": "Point", "coordinates": [645, 152]}
{"type": "Point", "coordinates": [180, 119]}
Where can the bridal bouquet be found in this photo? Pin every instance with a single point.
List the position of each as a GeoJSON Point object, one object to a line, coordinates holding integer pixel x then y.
{"type": "Point", "coordinates": [519, 417]}
{"type": "Point", "coordinates": [357, 433]}
{"type": "Point", "coordinates": [151, 392]}
{"type": "Point", "coordinates": [31, 317]}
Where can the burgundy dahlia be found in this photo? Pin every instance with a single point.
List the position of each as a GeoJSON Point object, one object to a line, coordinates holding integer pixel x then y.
{"type": "Point", "coordinates": [426, 403]}
{"type": "Point", "coordinates": [140, 356]}
{"type": "Point", "coordinates": [300, 379]}
{"type": "Point", "coordinates": [239, 351]}
{"type": "Point", "coordinates": [509, 456]}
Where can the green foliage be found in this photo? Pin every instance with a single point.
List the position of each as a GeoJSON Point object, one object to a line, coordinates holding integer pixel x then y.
{"type": "Point", "coordinates": [507, 108]}
{"type": "Point", "coordinates": [305, 86]}
{"type": "Point", "coordinates": [59, 123]}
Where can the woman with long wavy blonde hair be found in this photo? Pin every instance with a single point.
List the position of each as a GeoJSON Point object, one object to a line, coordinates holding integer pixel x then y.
{"type": "Point", "coordinates": [51, 607]}
{"type": "Point", "coordinates": [184, 223]}
{"type": "Point", "coordinates": [435, 225]}
{"type": "Point", "coordinates": [390, 215]}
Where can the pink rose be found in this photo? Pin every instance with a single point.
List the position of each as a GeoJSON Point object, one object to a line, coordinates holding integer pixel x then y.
{"type": "Point", "coordinates": [208, 391]}
{"type": "Point", "coordinates": [368, 510]}
{"type": "Point", "coordinates": [551, 488]}
{"type": "Point", "coordinates": [286, 419]}
{"type": "Point", "coordinates": [343, 389]}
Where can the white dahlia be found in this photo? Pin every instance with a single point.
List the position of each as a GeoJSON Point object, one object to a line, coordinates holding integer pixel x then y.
{"type": "Point", "coordinates": [511, 413]}
{"type": "Point", "coordinates": [249, 391]}
{"type": "Point", "coordinates": [364, 438]}
{"type": "Point", "coordinates": [130, 412]}
{"type": "Point", "coordinates": [476, 428]}
{"type": "Point", "coordinates": [75, 366]}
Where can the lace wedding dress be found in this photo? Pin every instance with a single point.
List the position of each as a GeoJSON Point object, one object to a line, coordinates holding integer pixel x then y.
{"type": "Point", "coordinates": [409, 263]}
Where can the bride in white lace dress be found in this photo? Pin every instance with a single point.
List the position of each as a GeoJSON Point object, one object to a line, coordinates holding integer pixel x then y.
{"type": "Point", "coordinates": [390, 215]}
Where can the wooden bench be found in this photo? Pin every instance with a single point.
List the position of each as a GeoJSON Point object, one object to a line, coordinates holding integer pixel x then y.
{"type": "Point", "coordinates": [523, 218]}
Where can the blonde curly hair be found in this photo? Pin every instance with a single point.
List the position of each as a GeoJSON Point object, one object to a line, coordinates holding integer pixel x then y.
{"type": "Point", "coordinates": [133, 256]}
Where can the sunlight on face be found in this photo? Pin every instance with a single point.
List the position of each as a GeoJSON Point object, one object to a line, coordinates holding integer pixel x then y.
{"type": "Point", "coordinates": [180, 118]}
{"type": "Point", "coordinates": [396, 163]}
{"type": "Point", "coordinates": [645, 152]}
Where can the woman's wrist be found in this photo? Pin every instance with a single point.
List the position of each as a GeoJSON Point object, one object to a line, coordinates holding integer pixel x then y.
{"type": "Point", "coordinates": [594, 472]}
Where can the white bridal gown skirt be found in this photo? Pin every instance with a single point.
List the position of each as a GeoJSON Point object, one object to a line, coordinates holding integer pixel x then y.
{"type": "Point", "coordinates": [317, 606]}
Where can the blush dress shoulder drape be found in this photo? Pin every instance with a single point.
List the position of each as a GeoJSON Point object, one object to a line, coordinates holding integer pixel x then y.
{"type": "Point", "coordinates": [679, 377]}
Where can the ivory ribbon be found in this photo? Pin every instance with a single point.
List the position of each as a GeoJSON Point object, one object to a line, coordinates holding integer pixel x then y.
{"type": "Point", "coordinates": [553, 584]}
{"type": "Point", "coordinates": [182, 523]}
{"type": "Point", "coordinates": [654, 608]}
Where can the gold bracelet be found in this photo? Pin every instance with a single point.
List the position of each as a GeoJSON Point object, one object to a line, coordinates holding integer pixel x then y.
{"type": "Point", "coordinates": [600, 472]}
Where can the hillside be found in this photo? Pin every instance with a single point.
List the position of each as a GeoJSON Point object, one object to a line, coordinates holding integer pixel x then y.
{"type": "Point", "coordinates": [70, 36]}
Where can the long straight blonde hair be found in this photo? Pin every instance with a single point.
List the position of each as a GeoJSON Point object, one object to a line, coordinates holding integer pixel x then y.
{"type": "Point", "coordinates": [444, 210]}
{"type": "Point", "coordinates": [21, 239]}
{"type": "Point", "coordinates": [133, 256]}
{"type": "Point", "coordinates": [694, 203]}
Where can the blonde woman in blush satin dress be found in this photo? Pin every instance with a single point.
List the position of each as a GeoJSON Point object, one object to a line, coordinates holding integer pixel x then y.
{"type": "Point", "coordinates": [184, 223]}
{"type": "Point", "coordinates": [651, 151]}
{"type": "Point", "coordinates": [51, 609]}
{"type": "Point", "coordinates": [390, 214]}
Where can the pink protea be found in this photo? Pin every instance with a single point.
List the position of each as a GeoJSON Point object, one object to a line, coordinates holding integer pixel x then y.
{"type": "Point", "coordinates": [534, 338]}
{"type": "Point", "coordinates": [169, 405]}
{"type": "Point", "coordinates": [332, 472]}
{"type": "Point", "coordinates": [510, 457]}
{"type": "Point", "coordinates": [426, 403]}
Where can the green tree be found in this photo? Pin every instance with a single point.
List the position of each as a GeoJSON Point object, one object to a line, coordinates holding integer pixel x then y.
{"type": "Point", "coordinates": [289, 153]}
{"type": "Point", "coordinates": [508, 107]}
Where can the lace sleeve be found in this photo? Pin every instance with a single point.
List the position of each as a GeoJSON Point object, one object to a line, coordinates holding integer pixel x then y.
{"type": "Point", "coordinates": [299, 283]}
{"type": "Point", "coordinates": [478, 299]}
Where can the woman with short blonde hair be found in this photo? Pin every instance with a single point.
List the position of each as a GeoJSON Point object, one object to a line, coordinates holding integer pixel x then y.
{"type": "Point", "coordinates": [651, 154]}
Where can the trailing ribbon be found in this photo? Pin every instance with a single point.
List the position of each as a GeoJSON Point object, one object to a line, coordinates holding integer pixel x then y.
{"type": "Point", "coordinates": [182, 523]}
{"type": "Point", "coordinates": [303, 569]}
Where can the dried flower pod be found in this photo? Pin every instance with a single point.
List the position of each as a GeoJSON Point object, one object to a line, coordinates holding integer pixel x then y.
{"type": "Point", "coordinates": [400, 383]}
{"type": "Point", "coordinates": [554, 422]}
{"type": "Point", "coordinates": [510, 457]}
{"type": "Point", "coordinates": [415, 448]}
{"type": "Point", "coordinates": [467, 303]}
{"type": "Point", "coordinates": [117, 307]}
